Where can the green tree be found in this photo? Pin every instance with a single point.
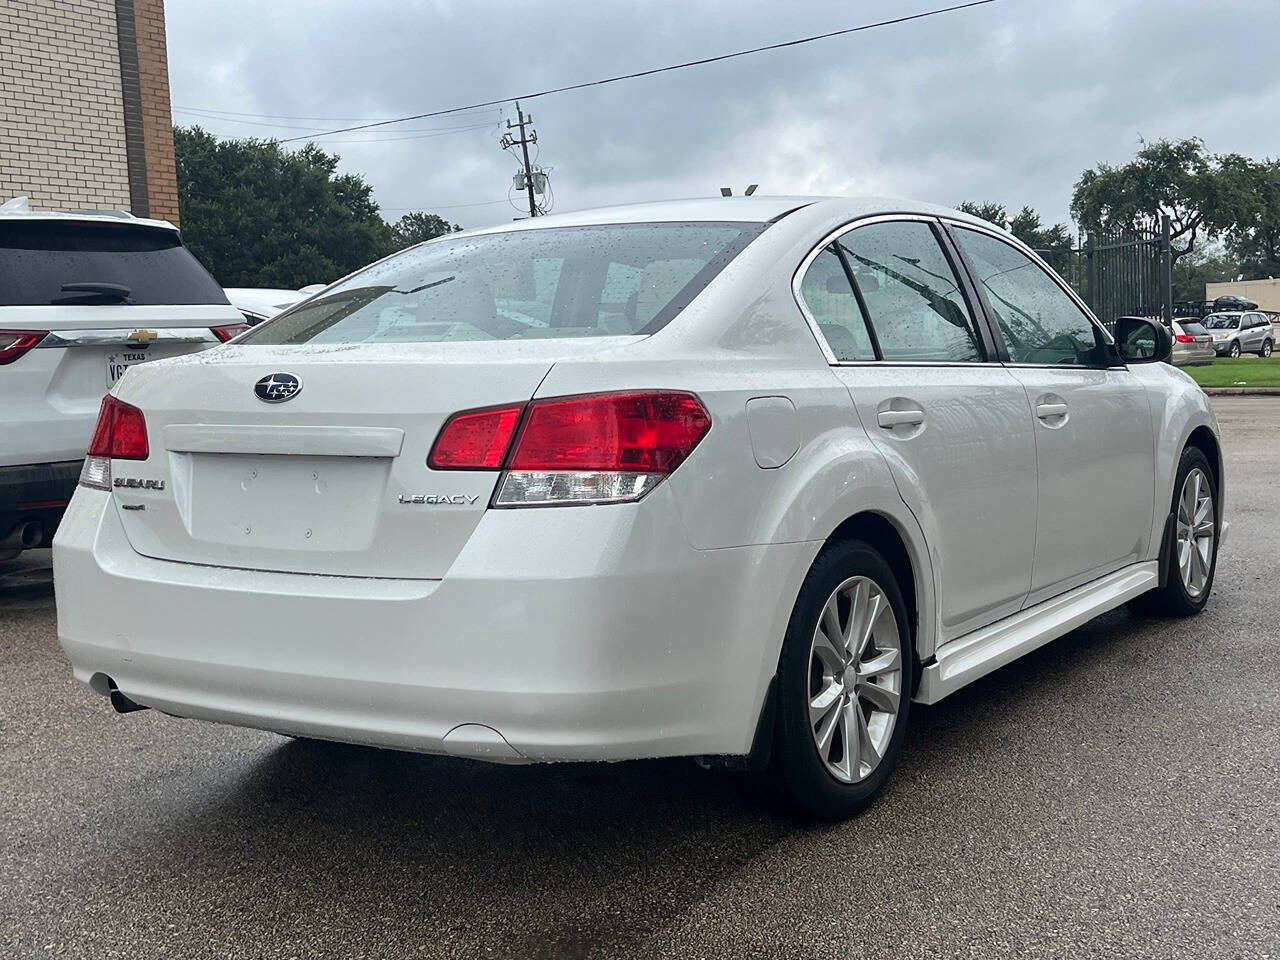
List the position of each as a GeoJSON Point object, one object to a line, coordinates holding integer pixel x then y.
{"type": "Point", "coordinates": [418, 227]}
{"type": "Point", "coordinates": [1252, 188]}
{"type": "Point", "coordinates": [1177, 177]}
{"type": "Point", "coordinates": [258, 215]}
{"type": "Point", "coordinates": [1205, 264]}
{"type": "Point", "coordinates": [1026, 225]}
{"type": "Point", "coordinates": [995, 213]}
{"type": "Point", "coordinates": [1054, 244]}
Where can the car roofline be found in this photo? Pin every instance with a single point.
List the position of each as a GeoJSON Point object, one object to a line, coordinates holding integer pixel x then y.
{"type": "Point", "coordinates": [121, 218]}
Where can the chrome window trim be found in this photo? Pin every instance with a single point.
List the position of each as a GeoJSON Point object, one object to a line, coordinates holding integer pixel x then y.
{"type": "Point", "coordinates": [1022, 248]}
{"type": "Point", "coordinates": [121, 337]}
{"type": "Point", "coordinates": [798, 278]}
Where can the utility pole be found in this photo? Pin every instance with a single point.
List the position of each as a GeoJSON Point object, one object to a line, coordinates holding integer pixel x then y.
{"type": "Point", "coordinates": [524, 141]}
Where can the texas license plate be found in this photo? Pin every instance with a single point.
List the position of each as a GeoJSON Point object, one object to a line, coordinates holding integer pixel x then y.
{"type": "Point", "coordinates": [118, 363]}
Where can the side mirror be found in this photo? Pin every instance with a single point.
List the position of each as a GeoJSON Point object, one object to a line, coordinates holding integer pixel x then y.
{"type": "Point", "coordinates": [1140, 340]}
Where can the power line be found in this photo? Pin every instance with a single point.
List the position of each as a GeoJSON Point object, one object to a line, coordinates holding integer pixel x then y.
{"type": "Point", "coordinates": [444, 206]}
{"type": "Point", "coordinates": [317, 133]}
{"type": "Point", "coordinates": [675, 66]}
{"type": "Point", "coordinates": [423, 135]}
{"type": "Point", "coordinates": [284, 116]}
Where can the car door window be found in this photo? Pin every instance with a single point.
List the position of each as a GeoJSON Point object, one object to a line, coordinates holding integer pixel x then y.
{"type": "Point", "coordinates": [911, 293]}
{"type": "Point", "coordinates": [1040, 323]}
{"type": "Point", "coordinates": [827, 293]}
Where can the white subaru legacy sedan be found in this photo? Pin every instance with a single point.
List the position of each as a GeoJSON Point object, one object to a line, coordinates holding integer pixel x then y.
{"type": "Point", "coordinates": [736, 479]}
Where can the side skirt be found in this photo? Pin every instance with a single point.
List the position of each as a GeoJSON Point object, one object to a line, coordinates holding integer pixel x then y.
{"type": "Point", "coordinates": [976, 654]}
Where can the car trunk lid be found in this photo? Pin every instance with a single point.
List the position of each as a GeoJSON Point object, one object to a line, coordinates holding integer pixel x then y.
{"type": "Point", "coordinates": [332, 479]}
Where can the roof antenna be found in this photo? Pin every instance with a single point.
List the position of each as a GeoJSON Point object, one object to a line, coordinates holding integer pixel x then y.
{"type": "Point", "coordinates": [726, 191]}
{"type": "Point", "coordinates": [752, 189]}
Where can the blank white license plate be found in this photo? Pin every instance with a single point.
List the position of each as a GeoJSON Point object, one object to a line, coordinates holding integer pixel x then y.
{"type": "Point", "coordinates": [122, 360]}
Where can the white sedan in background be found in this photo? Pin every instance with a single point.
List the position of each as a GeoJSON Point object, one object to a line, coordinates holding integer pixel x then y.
{"type": "Point", "coordinates": [262, 303]}
{"type": "Point", "coordinates": [735, 479]}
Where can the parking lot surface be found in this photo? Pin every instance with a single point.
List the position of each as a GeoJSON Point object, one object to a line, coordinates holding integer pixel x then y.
{"type": "Point", "coordinates": [1115, 794]}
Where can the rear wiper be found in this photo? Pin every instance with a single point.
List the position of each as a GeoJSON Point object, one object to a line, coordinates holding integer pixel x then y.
{"type": "Point", "coordinates": [117, 291]}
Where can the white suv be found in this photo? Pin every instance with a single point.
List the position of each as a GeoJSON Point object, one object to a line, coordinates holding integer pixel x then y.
{"type": "Point", "coordinates": [83, 297]}
{"type": "Point", "coordinates": [734, 479]}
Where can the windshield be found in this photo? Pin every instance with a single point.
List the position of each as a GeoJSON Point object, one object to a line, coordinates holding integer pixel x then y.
{"type": "Point", "coordinates": [595, 281]}
{"type": "Point", "coordinates": [1222, 321]}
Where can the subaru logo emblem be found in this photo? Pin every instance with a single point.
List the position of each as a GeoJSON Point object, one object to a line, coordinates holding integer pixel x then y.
{"type": "Point", "coordinates": [277, 387]}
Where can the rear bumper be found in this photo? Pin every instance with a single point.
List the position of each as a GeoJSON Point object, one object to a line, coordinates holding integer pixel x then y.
{"type": "Point", "coordinates": [1193, 356]}
{"type": "Point", "coordinates": [36, 493]}
{"type": "Point", "coordinates": [604, 637]}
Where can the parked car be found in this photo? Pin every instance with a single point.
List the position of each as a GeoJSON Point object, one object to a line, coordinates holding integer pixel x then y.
{"type": "Point", "coordinates": [262, 303]}
{"type": "Point", "coordinates": [1192, 343]}
{"type": "Point", "coordinates": [754, 475]}
{"type": "Point", "coordinates": [1232, 302]}
{"type": "Point", "coordinates": [83, 298]}
{"type": "Point", "coordinates": [1236, 333]}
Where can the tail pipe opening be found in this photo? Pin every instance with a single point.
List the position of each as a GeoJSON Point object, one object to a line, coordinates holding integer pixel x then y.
{"type": "Point", "coordinates": [25, 536]}
{"type": "Point", "coordinates": [101, 683]}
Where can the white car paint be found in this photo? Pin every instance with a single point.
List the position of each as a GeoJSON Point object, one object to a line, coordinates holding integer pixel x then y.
{"type": "Point", "coordinates": [263, 303]}
{"type": "Point", "coordinates": [607, 632]}
{"type": "Point", "coordinates": [50, 393]}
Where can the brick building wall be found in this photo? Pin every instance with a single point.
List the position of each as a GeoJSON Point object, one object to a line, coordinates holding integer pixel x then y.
{"type": "Point", "coordinates": [61, 113]}
{"type": "Point", "coordinates": [157, 118]}
{"type": "Point", "coordinates": [84, 106]}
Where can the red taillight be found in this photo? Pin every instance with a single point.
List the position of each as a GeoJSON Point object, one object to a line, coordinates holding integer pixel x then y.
{"type": "Point", "coordinates": [475, 439]}
{"type": "Point", "coordinates": [14, 343]}
{"type": "Point", "coordinates": [229, 330]}
{"type": "Point", "coordinates": [1185, 338]}
{"type": "Point", "coordinates": [648, 432]}
{"type": "Point", "coordinates": [121, 433]}
{"type": "Point", "coordinates": [596, 448]}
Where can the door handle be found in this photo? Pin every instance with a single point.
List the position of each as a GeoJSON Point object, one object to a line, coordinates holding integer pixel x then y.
{"type": "Point", "coordinates": [895, 418]}
{"type": "Point", "coordinates": [1047, 410]}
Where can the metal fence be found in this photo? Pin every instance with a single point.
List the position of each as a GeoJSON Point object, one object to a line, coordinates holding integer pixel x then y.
{"type": "Point", "coordinates": [1120, 273]}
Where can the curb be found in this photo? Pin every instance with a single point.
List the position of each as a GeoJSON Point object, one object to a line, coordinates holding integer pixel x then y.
{"type": "Point", "coordinates": [1242, 391]}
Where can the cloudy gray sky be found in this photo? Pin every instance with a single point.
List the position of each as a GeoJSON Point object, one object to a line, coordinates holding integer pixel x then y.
{"type": "Point", "coordinates": [1005, 102]}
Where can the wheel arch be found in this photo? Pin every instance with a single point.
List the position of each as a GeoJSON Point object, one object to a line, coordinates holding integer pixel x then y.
{"type": "Point", "coordinates": [1204, 440]}
{"type": "Point", "coordinates": [883, 532]}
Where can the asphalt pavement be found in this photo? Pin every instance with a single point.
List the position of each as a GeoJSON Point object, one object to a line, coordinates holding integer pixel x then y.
{"type": "Point", "coordinates": [1115, 794]}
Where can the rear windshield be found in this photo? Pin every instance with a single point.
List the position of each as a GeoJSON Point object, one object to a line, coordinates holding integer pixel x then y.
{"type": "Point", "coordinates": [596, 281]}
{"type": "Point", "coordinates": [1191, 328]}
{"type": "Point", "coordinates": [103, 263]}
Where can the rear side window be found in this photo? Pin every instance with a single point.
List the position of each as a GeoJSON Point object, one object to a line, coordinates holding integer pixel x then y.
{"type": "Point", "coordinates": [131, 263]}
{"type": "Point", "coordinates": [829, 296]}
{"type": "Point", "coordinates": [592, 281]}
{"type": "Point", "coordinates": [913, 298]}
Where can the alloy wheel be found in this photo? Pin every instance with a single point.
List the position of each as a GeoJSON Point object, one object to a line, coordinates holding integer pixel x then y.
{"type": "Point", "coordinates": [855, 679]}
{"type": "Point", "coordinates": [1196, 531]}
{"type": "Point", "coordinates": [1235, 349]}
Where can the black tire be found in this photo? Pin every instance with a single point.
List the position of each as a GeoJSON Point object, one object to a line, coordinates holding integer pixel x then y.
{"type": "Point", "coordinates": [1173, 599]}
{"type": "Point", "coordinates": [1265, 351]}
{"type": "Point", "coordinates": [1234, 349]}
{"type": "Point", "coordinates": [796, 765]}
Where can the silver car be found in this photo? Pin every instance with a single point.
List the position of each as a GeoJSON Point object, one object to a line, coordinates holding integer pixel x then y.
{"type": "Point", "coordinates": [1237, 333]}
{"type": "Point", "coordinates": [1192, 343]}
